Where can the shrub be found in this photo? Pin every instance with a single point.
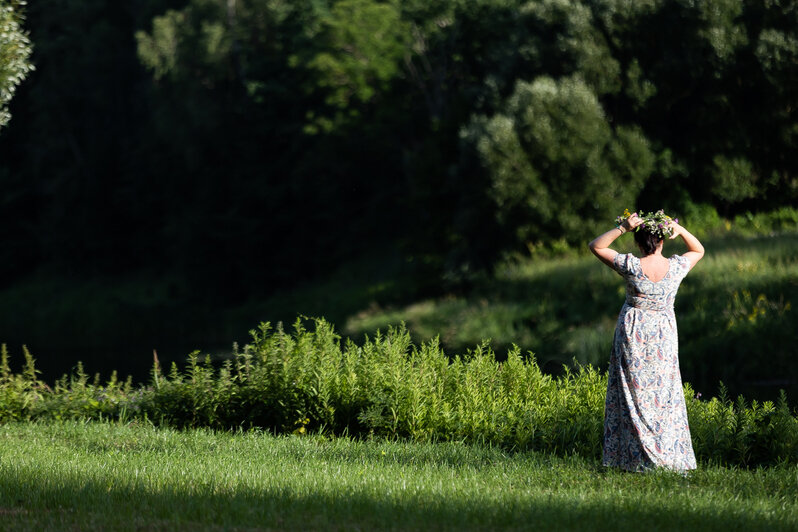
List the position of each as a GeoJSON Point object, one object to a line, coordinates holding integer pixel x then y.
{"type": "Point", "coordinates": [782, 219]}
{"type": "Point", "coordinates": [18, 392]}
{"type": "Point", "coordinates": [75, 397]}
{"type": "Point", "coordinates": [740, 433]}
{"type": "Point", "coordinates": [389, 387]}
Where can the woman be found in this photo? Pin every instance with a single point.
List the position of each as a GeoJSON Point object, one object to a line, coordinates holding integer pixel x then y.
{"type": "Point", "coordinates": [645, 419]}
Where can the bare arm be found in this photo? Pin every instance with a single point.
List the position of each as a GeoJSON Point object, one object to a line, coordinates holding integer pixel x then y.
{"type": "Point", "coordinates": [694, 248]}
{"type": "Point", "coordinates": [600, 245]}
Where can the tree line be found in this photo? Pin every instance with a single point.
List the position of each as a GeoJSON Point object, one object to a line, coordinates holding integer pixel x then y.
{"type": "Point", "coordinates": [242, 145]}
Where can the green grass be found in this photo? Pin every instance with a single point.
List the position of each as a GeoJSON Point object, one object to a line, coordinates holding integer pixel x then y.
{"type": "Point", "coordinates": [122, 477]}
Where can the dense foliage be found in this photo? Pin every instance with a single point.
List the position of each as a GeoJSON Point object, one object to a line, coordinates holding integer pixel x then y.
{"type": "Point", "coordinates": [389, 387]}
{"type": "Point", "coordinates": [15, 50]}
{"type": "Point", "coordinates": [235, 145]}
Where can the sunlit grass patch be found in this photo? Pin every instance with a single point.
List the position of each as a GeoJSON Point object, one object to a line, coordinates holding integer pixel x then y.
{"type": "Point", "coordinates": [129, 477]}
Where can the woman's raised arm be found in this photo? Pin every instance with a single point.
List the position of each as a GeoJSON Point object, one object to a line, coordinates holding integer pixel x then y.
{"type": "Point", "coordinates": [600, 245]}
{"type": "Point", "coordinates": [694, 248]}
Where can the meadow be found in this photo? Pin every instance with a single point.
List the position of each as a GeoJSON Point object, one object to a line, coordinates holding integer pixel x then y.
{"type": "Point", "coordinates": [89, 476]}
{"type": "Point", "coordinates": [311, 379]}
{"type": "Point", "coordinates": [405, 218]}
{"type": "Point", "coordinates": [307, 428]}
{"type": "Point", "coordinates": [735, 312]}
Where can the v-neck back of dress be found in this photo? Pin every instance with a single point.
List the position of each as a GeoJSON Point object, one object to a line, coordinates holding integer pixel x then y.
{"type": "Point", "coordinates": [649, 278]}
{"type": "Point", "coordinates": [645, 294]}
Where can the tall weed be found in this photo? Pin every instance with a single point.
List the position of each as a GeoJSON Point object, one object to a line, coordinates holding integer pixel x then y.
{"type": "Point", "coordinates": [389, 387]}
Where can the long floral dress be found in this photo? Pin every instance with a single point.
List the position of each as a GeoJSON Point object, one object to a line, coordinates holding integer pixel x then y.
{"type": "Point", "coordinates": [645, 419]}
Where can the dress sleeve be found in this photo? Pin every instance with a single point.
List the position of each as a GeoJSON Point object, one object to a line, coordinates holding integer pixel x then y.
{"type": "Point", "coordinates": [682, 265]}
{"type": "Point", "coordinates": [621, 264]}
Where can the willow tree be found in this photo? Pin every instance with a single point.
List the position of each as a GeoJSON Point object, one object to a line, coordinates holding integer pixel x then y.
{"type": "Point", "coordinates": [15, 50]}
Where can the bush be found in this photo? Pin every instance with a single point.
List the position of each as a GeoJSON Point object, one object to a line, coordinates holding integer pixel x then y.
{"type": "Point", "coordinates": [19, 393]}
{"type": "Point", "coordinates": [783, 219]}
{"type": "Point", "coordinates": [738, 433]}
{"type": "Point", "coordinates": [389, 387]}
{"type": "Point", "coordinates": [15, 52]}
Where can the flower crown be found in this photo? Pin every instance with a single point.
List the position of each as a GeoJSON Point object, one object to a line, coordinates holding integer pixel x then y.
{"type": "Point", "coordinates": [657, 223]}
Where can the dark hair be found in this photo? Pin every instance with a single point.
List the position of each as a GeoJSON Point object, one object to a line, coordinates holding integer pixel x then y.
{"type": "Point", "coordinates": [647, 241]}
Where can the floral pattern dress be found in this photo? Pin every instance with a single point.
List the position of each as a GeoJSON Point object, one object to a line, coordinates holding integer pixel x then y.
{"type": "Point", "coordinates": [645, 419]}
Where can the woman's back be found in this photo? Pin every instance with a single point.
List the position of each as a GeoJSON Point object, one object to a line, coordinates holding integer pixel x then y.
{"type": "Point", "coordinates": [642, 292]}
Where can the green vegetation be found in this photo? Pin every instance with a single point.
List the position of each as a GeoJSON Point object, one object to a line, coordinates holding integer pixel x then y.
{"type": "Point", "coordinates": [309, 380]}
{"type": "Point", "coordinates": [249, 145]}
{"type": "Point", "coordinates": [428, 170]}
{"type": "Point", "coordinates": [15, 51]}
{"type": "Point", "coordinates": [735, 311]}
{"type": "Point", "coordinates": [559, 303]}
{"type": "Point", "coordinates": [178, 170]}
{"type": "Point", "coordinates": [90, 476]}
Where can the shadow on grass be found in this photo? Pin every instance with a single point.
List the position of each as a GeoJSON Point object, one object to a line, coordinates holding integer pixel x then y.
{"type": "Point", "coordinates": [87, 504]}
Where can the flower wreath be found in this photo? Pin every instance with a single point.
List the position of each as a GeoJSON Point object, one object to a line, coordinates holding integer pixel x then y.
{"type": "Point", "coordinates": [657, 223]}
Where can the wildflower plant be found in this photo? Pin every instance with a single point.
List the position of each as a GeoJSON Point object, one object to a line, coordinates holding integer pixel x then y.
{"type": "Point", "coordinates": [657, 223]}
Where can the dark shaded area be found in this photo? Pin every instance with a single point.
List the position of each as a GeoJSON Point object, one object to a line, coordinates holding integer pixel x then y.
{"type": "Point", "coordinates": [172, 162]}
{"type": "Point", "coordinates": [33, 503]}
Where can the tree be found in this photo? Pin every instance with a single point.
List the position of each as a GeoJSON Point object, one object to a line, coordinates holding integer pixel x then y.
{"type": "Point", "coordinates": [557, 168]}
{"type": "Point", "coordinates": [15, 51]}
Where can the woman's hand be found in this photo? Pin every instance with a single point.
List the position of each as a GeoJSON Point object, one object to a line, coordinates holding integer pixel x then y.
{"type": "Point", "coordinates": [695, 251]}
{"type": "Point", "coordinates": [600, 245]}
{"type": "Point", "coordinates": [676, 230]}
{"type": "Point", "coordinates": [633, 221]}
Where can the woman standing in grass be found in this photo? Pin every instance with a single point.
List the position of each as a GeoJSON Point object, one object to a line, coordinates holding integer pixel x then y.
{"type": "Point", "coordinates": [645, 419]}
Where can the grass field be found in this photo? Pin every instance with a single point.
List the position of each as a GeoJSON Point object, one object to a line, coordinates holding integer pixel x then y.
{"type": "Point", "coordinates": [96, 476]}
